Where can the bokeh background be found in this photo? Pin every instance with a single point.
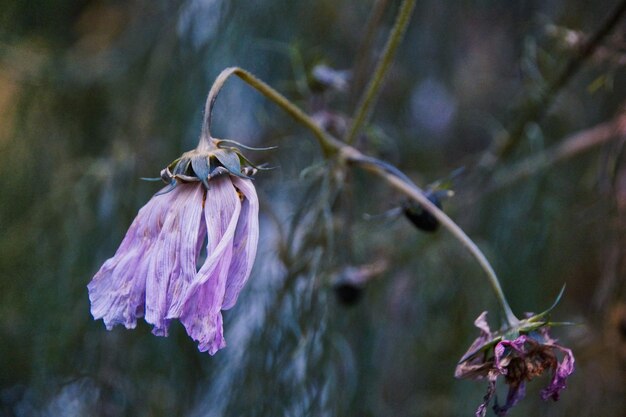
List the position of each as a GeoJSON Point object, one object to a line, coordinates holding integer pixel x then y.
{"type": "Point", "coordinates": [96, 94]}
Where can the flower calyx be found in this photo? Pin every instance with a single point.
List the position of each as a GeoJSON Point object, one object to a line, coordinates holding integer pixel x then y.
{"type": "Point", "coordinates": [209, 161]}
{"type": "Point", "coordinates": [436, 192]}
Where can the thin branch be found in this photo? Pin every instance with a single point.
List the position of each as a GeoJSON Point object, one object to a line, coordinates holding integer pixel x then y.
{"type": "Point", "coordinates": [362, 60]}
{"type": "Point", "coordinates": [567, 148]}
{"type": "Point", "coordinates": [367, 101]}
{"type": "Point", "coordinates": [400, 183]}
{"type": "Point", "coordinates": [538, 107]}
{"type": "Point", "coordinates": [346, 153]}
{"type": "Point", "coordinates": [328, 143]}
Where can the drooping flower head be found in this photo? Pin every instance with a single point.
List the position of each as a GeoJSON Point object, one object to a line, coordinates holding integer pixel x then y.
{"type": "Point", "coordinates": [518, 355]}
{"type": "Point", "coordinates": [160, 271]}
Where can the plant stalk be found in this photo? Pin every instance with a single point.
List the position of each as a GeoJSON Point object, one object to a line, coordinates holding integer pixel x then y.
{"type": "Point", "coordinates": [400, 183]}
{"type": "Point", "coordinates": [332, 146]}
{"type": "Point", "coordinates": [329, 144]}
{"type": "Point", "coordinates": [369, 97]}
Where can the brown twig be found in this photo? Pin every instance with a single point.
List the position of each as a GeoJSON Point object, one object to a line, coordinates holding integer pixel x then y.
{"type": "Point", "coordinates": [567, 148]}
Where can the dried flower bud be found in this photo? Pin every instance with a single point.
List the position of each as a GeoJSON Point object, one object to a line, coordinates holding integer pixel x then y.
{"type": "Point", "coordinates": [420, 217]}
{"type": "Point", "coordinates": [518, 355]}
{"type": "Point", "coordinates": [348, 293]}
{"type": "Point", "coordinates": [349, 285]}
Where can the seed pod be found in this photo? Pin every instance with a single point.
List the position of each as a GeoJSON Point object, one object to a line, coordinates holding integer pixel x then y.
{"type": "Point", "coordinates": [348, 293]}
{"type": "Point", "coordinates": [419, 216]}
{"type": "Point", "coordinates": [349, 284]}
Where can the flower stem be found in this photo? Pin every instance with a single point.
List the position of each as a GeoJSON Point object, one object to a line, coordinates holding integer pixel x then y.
{"type": "Point", "coordinates": [362, 59]}
{"type": "Point", "coordinates": [329, 144]}
{"type": "Point", "coordinates": [332, 146]}
{"type": "Point", "coordinates": [367, 101]}
{"type": "Point", "coordinates": [399, 181]}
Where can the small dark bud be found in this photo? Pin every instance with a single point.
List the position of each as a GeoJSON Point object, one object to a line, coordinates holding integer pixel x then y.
{"type": "Point", "coordinates": [348, 293]}
{"type": "Point", "coordinates": [420, 217]}
{"type": "Point", "coordinates": [349, 284]}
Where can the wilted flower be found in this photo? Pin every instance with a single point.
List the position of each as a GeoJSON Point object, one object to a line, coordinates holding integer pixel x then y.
{"type": "Point", "coordinates": [518, 356]}
{"type": "Point", "coordinates": [156, 271]}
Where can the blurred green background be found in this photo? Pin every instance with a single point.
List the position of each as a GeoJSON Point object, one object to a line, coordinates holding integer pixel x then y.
{"type": "Point", "coordinates": [96, 94]}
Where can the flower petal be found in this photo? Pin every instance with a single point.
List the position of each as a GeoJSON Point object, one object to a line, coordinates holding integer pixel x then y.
{"type": "Point", "coordinates": [198, 307]}
{"type": "Point", "coordinates": [505, 350]}
{"type": "Point", "coordinates": [245, 243]}
{"type": "Point", "coordinates": [472, 365]}
{"type": "Point", "coordinates": [563, 370]}
{"type": "Point", "coordinates": [117, 291]}
{"type": "Point", "coordinates": [481, 323]}
{"type": "Point", "coordinates": [173, 260]}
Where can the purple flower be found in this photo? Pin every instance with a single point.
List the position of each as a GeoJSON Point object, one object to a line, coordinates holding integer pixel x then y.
{"type": "Point", "coordinates": [156, 273]}
{"type": "Point", "coordinates": [531, 353]}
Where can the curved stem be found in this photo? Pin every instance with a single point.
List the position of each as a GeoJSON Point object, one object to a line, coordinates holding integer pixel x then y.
{"type": "Point", "coordinates": [389, 173]}
{"type": "Point", "coordinates": [412, 191]}
{"type": "Point", "coordinates": [370, 95]}
{"type": "Point", "coordinates": [328, 143]}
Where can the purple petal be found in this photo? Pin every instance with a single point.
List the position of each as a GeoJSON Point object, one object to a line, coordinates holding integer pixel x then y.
{"type": "Point", "coordinates": [244, 244]}
{"type": "Point", "coordinates": [117, 291]}
{"type": "Point", "coordinates": [481, 323]}
{"type": "Point", "coordinates": [174, 254]}
{"type": "Point", "coordinates": [503, 351]}
{"type": "Point", "coordinates": [198, 308]}
{"type": "Point", "coordinates": [476, 367]}
{"type": "Point", "coordinates": [563, 370]}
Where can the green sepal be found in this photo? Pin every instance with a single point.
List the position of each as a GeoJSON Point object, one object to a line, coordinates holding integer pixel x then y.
{"type": "Point", "coordinates": [488, 345]}
{"type": "Point", "coordinates": [167, 190]}
{"type": "Point", "coordinates": [245, 161]}
{"type": "Point", "coordinates": [182, 167]}
{"type": "Point", "coordinates": [230, 161]}
{"type": "Point", "coordinates": [200, 166]}
{"type": "Point", "coordinates": [172, 165]}
{"type": "Point", "coordinates": [250, 148]}
{"type": "Point", "coordinates": [541, 316]}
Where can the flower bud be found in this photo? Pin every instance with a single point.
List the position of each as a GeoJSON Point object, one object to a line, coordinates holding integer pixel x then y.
{"type": "Point", "coordinates": [419, 216]}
